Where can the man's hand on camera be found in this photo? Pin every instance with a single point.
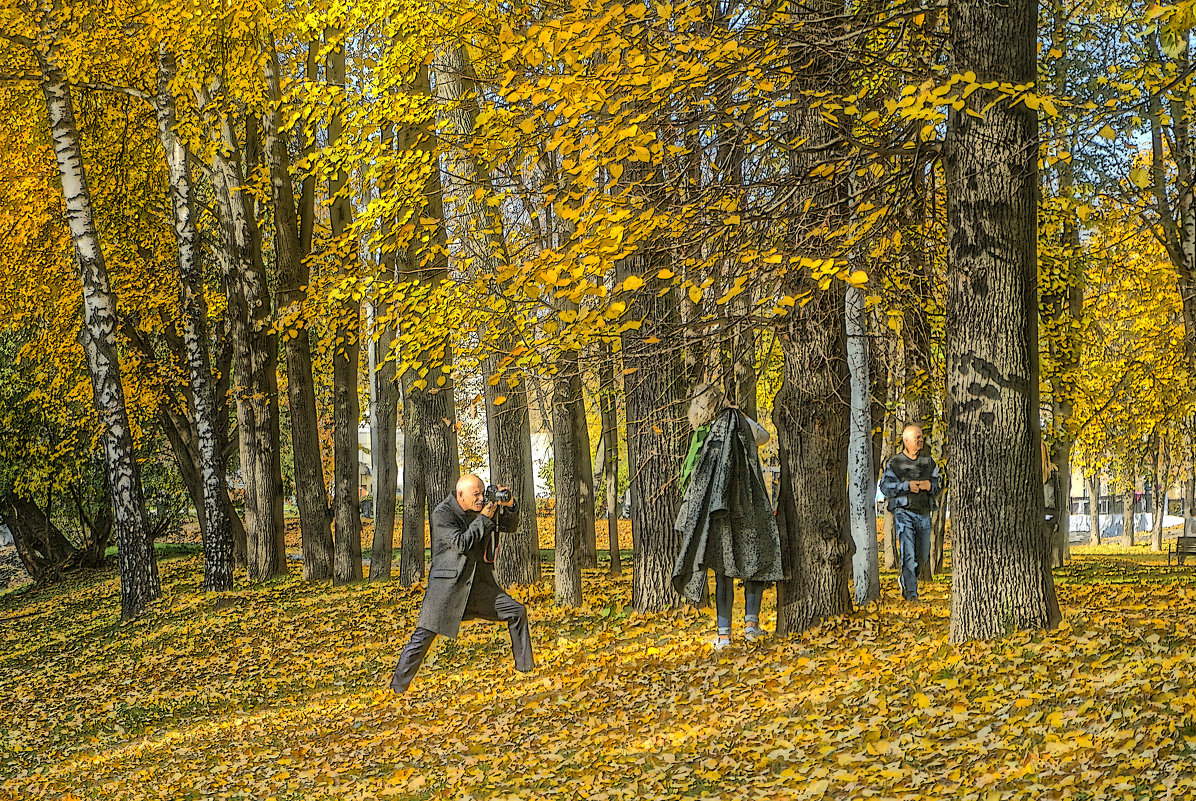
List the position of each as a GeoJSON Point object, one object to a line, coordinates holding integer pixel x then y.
{"type": "Point", "coordinates": [489, 509]}
{"type": "Point", "coordinates": [509, 503]}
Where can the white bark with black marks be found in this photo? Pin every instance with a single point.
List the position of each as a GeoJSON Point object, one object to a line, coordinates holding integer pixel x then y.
{"type": "Point", "coordinates": [139, 584]}
{"type": "Point", "coordinates": [860, 470]}
{"type": "Point", "coordinates": [216, 533]}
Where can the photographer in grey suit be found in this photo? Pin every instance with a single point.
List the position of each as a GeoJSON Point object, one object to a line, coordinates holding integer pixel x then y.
{"type": "Point", "coordinates": [461, 585]}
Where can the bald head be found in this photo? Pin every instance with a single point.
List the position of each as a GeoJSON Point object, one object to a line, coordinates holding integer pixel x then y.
{"type": "Point", "coordinates": [471, 492]}
{"type": "Point", "coordinates": [912, 439]}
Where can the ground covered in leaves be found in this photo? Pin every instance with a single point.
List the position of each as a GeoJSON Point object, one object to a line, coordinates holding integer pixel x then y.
{"type": "Point", "coordinates": [279, 691]}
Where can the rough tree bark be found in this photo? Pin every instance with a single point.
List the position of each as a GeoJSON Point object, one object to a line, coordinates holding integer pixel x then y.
{"type": "Point", "coordinates": [214, 525]}
{"type": "Point", "coordinates": [311, 493]}
{"type": "Point", "coordinates": [40, 545]}
{"type": "Point", "coordinates": [1001, 575]}
{"type": "Point", "coordinates": [508, 422]}
{"type": "Point", "coordinates": [566, 396]}
{"type": "Point", "coordinates": [1094, 508]}
{"type": "Point", "coordinates": [1159, 493]}
{"type": "Point", "coordinates": [139, 583]}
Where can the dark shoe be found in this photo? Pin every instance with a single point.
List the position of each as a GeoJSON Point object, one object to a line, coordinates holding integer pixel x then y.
{"type": "Point", "coordinates": [398, 687]}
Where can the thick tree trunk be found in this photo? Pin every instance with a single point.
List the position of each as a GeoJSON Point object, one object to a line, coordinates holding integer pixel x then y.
{"type": "Point", "coordinates": [431, 465]}
{"type": "Point", "coordinates": [655, 387]}
{"type": "Point", "coordinates": [311, 491]}
{"type": "Point", "coordinates": [139, 584]}
{"type": "Point", "coordinates": [508, 423]}
{"type": "Point", "coordinates": [610, 459]}
{"type": "Point", "coordinates": [860, 470]}
{"type": "Point", "coordinates": [43, 550]}
{"type": "Point", "coordinates": [1094, 509]}
{"type": "Point", "coordinates": [214, 524]}
{"type": "Point", "coordinates": [346, 354]}
{"type": "Point", "coordinates": [812, 416]}
{"type": "Point", "coordinates": [254, 351]}
{"type": "Point", "coordinates": [566, 396]}
{"type": "Point", "coordinates": [1001, 577]}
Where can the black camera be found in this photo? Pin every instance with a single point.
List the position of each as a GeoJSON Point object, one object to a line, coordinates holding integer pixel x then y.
{"type": "Point", "coordinates": [497, 495]}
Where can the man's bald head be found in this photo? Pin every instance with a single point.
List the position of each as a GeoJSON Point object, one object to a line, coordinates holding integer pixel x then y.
{"type": "Point", "coordinates": [471, 492]}
{"type": "Point", "coordinates": [912, 439]}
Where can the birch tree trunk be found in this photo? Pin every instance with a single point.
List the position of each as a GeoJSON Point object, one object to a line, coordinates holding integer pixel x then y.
{"type": "Point", "coordinates": [1001, 577]}
{"type": "Point", "coordinates": [254, 349]}
{"type": "Point", "coordinates": [311, 493]}
{"type": "Point", "coordinates": [139, 584]}
{"type": "Point", "coordinates": [215, 531]}
{"type": "Point", "coordinates": [1094, 509]}
{"type": "Point", "coordinates": [346, 353]}
{"type": "Point", "coordinates": [860, 469]}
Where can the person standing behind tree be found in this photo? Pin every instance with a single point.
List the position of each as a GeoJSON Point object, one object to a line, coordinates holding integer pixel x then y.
{"type": "Point", "coordinates": [910, 484]}
{"type": "Point", "coordinates": [725, 521]}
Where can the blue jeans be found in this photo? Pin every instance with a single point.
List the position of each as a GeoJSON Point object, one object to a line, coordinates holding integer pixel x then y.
{"type": "Point", "coordinates": [913, 535]}
{"type": "Point", "coordinates": [724, 601]}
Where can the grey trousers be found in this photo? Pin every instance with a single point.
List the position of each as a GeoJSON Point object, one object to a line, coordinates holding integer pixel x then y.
{"type": "Point", "coordinates": [496, 606]}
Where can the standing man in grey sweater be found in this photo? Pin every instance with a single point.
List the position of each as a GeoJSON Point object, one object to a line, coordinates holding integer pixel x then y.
{"type": "Point", "coordinates": [910, 484]}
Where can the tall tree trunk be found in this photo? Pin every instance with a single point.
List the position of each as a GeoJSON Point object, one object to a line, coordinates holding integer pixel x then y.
{"type": "Point", "coordinates": [431, 465]}
{"type": "Point", "coordinates": [585, 482]}
{"type": "Point", "coordinates": [383, 425]}
{"type": "Point", "coordinates": [254, 350]}
{"type": "Point", "coordinates": [346, 354]}
{"type": "Point", "coordinates": [1094, 508]}
{"type": "Point", "coordinates": [1161, 469]}
{"type": "Point", "coordinates": [139, 583]}
{"type": "Point", "coordinates": [214, 528]}
{"type": "Point", "coordinates": [311, 493]}
{"type": "Point", "coordinates": [1189, 500]}
{"type": "Point", "coordinates": [655, 385]}
{"type": "Point", "coordinates": [610, 459]}
{"type": "Point", "coordinates": [1001, 576]}
{"type": "Point", "coordinates": [812, 417]}
{"type": "Point", "coordinates": [508, 423]}
{"type": "Point", "coordinates": [1127, 517]}
{"type": "Point", "coordinates": [566, 396]}
{"type": "Point", "coordinates": [861, 471]}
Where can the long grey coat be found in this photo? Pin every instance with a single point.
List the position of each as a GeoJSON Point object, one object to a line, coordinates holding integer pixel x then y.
{"type": "Point", "coordinates": [460, 542]}
{"type": "Point", "coordinates": [726, 521]}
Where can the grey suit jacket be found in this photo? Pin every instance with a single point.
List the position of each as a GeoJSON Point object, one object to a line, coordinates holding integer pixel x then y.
{"type": "Point", "coordinates": [461, 542]}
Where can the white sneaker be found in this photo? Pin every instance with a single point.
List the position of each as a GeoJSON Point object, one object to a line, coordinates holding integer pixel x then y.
{"type": "Point", "coordinates": [753, 632]}
{"type": "Point", "coordinates": [720, 642]}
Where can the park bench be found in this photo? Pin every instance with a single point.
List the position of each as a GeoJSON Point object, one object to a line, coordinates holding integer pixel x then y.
{"type": "Point", "coordinates": [1184, 546]}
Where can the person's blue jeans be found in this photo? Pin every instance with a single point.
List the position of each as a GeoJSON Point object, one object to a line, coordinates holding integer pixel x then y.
{"type": "Point", "coordinates": [724, 601]}
{"type": "Point", "coordinates": [913, 535]}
